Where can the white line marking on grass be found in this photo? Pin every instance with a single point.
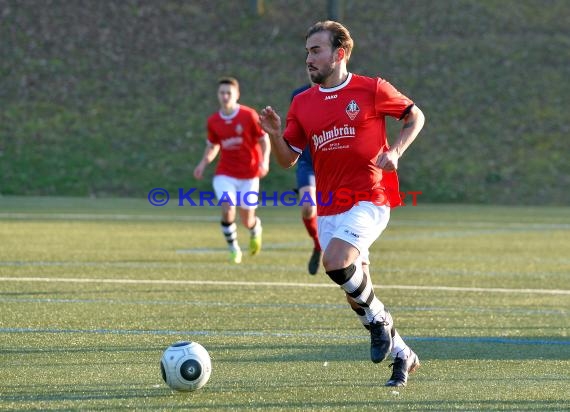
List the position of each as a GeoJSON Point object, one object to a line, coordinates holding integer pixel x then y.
{"type": "Point", "coordinates": [200, 250]}
{"type": "Point", "coordinates": [163, 282]}
{"type": "Point", "coordinates": [459, 233]}
{"type": "Point", "coordinates": [485, 290]}
{"type": "Point", "coordinates": [105, 216]}
{"type": "Point", "coordinates": [277, 284]}
{"type": "Point", "coordinates": [272, 246]}
{"type": "Point", "coordinates": [482, 225]}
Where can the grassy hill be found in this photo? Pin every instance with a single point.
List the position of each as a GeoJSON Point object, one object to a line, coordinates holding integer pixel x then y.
{"type": "Point", "coordinates": [110, 97]}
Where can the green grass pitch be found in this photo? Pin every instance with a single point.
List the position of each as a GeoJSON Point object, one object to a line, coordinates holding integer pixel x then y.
{"type": "Point", "coordinates": [92, 292]}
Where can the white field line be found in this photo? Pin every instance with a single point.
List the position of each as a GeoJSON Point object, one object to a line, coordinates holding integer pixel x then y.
{"type": "Point", "coordinates": [104, 216]}
{"type": "Point", "coordinates": [277, 284]}
{"type": "Point", "coordinates": [277, 246]}
{"type": "Point", "coordinates": [270, 246]}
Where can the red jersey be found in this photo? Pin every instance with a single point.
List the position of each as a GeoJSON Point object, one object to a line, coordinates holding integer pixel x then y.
{"type": "Point", "coordinates": [238, 136]}
{"type": "Point", "coordinates": [345, 129]}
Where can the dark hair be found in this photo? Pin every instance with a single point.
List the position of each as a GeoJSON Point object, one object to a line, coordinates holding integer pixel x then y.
{"type": "Point", "coordinates": [340, 36]}
{"type": "Point", "coordinates": [229, 80]}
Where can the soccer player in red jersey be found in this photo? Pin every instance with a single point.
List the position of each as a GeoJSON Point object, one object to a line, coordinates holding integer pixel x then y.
{"type": "Point", "coordinates": [235, 132]}
{"type": "Point", "coordinates": [343, 122]}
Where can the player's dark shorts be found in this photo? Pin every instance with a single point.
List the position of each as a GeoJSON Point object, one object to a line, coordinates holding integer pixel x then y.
{"type": "Point", "coordinates": [305, 173]}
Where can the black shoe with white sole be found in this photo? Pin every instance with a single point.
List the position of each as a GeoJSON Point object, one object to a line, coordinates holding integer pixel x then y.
{"type": "Point", "coordinates": [402, 368]}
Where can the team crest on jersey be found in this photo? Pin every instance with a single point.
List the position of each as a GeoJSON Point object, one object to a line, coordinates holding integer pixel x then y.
{"type": "Point", "coordinates": [352, 110]}
{"type": "Point", "coordinates": [239, 129]}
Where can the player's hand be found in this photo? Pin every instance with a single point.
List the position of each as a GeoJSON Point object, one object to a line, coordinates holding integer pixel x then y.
{"type": "Point", "coordinates": [270, 121]}
{"type": "Point", "coordinates": [388, 161]}
{"type": "Point", "coordinates": [199, 171]}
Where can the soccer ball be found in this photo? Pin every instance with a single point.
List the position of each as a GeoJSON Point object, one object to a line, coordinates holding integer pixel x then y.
{"type": "Point", "coordinates": [186, 366]}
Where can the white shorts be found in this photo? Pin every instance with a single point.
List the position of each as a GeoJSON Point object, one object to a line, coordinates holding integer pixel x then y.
{"type": "Point", "coordinates": [243, 193]}
{"type": "Point", "coordinates": [360, 226]}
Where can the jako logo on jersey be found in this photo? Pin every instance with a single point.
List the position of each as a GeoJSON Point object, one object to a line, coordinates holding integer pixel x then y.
{"type": "Point", "coordinates": [331, 96]}
{"type": "Point", "coordinates": [352, 110]}
{"type": "Point", "coordinates": [335, 133]}
{"type": "Point", "coordinates": [232, 143]}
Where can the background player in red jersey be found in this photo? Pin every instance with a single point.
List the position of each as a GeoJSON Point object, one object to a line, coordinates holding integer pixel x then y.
{"type": "Point", "coordinates": [234, 131]}
{"type": "Point", "coordinates": [343, 121]}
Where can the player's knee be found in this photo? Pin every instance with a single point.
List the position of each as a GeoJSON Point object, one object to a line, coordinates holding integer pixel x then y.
{"type": "Point", "coordinates": [334, 261]}
{"type": "Point", "coordinates": [340, 276]}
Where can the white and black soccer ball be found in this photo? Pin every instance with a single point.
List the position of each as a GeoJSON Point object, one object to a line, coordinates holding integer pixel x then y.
{"type": "Point", "coordinates": [186, 366]}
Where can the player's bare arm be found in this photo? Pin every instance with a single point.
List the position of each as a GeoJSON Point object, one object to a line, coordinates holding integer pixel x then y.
{"type": "Point", "coordinates": [210, 154]}
{"type": "Point", "coordinates": [271, 123]}
{"type": "Point", "coordinates": [265, 144]}
{"type": "Point", "coordinates": [413, 123]}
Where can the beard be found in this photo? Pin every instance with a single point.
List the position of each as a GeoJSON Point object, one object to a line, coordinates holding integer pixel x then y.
{"type": "Point", "coordinates": [319, 76]}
